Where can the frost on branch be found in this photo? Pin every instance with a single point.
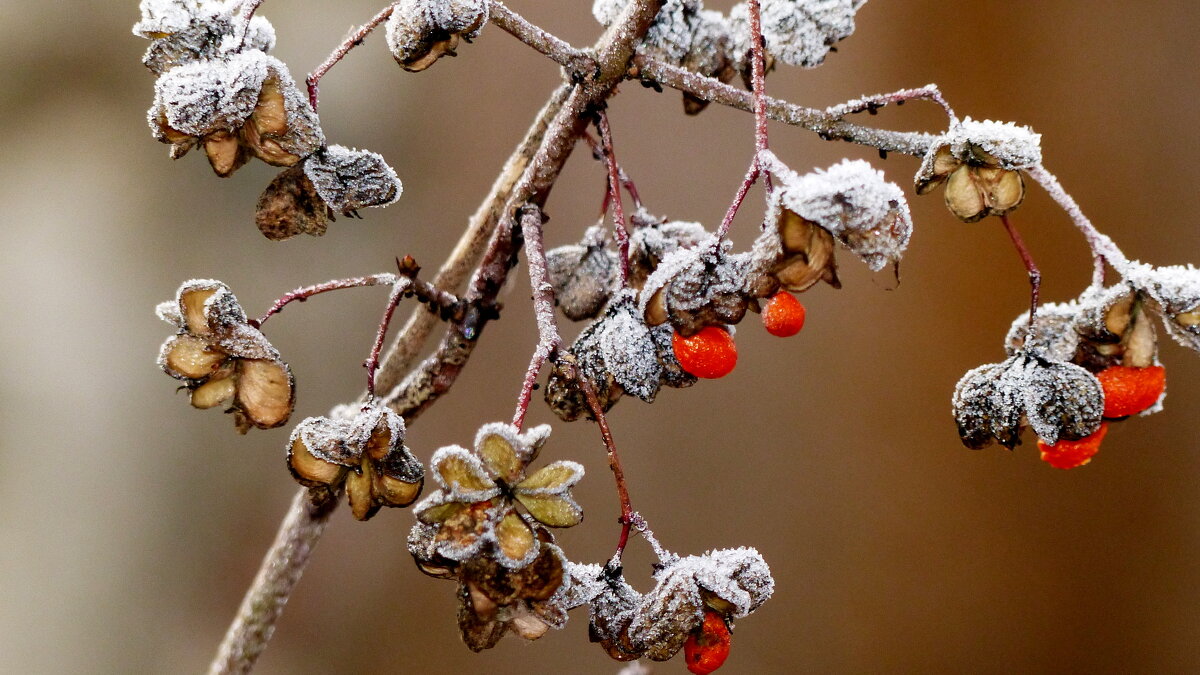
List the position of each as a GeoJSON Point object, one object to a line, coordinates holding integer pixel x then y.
{"type": "Point", "coordinates": [796, 32]}
{"type": "Point", "coordinates": [365, 454]}
{"type": "Point", "coordinates": [184, 31]}
{"type": "Point", "coordinates": [980, 163]}
{"type": "Point", "coordinates": [220, 357]}
{"type": "Point", "coordinates": [419, 32]}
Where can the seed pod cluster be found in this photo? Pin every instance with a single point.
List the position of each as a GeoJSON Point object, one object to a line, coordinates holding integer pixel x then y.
{"type": "Point", "coordinates": [705, 285]}
{"type": "Point", "coordinates": [980, 163]}
{"type": "Point", "coordinates": [419, 32]}
{"type": "Point", "coordinates": [185, 31]}
{"type": "Point", "coordinates": [222, 359]}
{"type": "Point", "coordinates": [796, 32]}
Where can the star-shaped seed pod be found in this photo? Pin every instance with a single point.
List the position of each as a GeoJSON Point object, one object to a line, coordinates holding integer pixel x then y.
{"type": "Point", "coordinates": [366, 454]}
{"type": "Point", "coordinates": [583, 275]}
{"type": "Point", "coordinates": [183, 31]}
{"type": "Point", "coordinates": [475, 509]}
{"type": "Point", "coordinates": [796, 33]}
{"type": "Point", "coordinates": [1059, 400]}
{"type": "Point", "coordinates": [701, 286]}
{"type": "Point", "coordinates": [237, 106]}
{"type": "Point", "coordinates": [850, 203]}
{"type": "Point", "coordinates": [220, 357]}
{"type": "Point", "coordinates": [980, 163]}
{"type": "Point", "coordinates": [419, 32]}
{"type": "Point", "coordinates": [335, 179]}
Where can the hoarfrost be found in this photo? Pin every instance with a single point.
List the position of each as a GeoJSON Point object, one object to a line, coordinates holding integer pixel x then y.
{"type": "Point", "coordinates": [164, 17]}
{"type": "Point", "coordinates": [184, 32]}
{"type": "Point", "coordinates": [349, 179]}
{"type": "Point", "coordinates": [467, 463]}
{"type": "Point", "coordinates": [629, 350]}
{"type": "Point", "coordinates": [1053, 331]}
{"type": "Point", "coordinates": [1062, 401]}
{"type": "Point", "coordinates": [1175, 291]}
{"type": "Point", "coordinates": [700, 286]}
{"type": "Point", "coordinates": [1013, 146]}
{"type": "Point", "coordinates": [583, 275]}
{"type": "Point", "coordinates": [853, 202]}
{"type": "Point", "coordinates": [325, 439]}
{"type": "Point", "coordinates": [683, 33]}
{"type": "Point", "coordinates": [797, 32]}
{"type": "Point", "coordinates": [202, 97]}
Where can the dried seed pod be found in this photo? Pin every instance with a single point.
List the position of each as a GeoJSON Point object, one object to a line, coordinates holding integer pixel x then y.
{"type": "Point", "coordinates": [980, 163]}
{"type": "Point", "coordinates": [1174, 293]}
{"type": "Point", "coordinates": [494, 599]}
{"type": "Point", "coordinates": [797, 253]}
{"type": "Point", "coordinates": [1053, 332]}
{"type": "Point", "coordinates": [348, 179]}
{"type": "Point", "coordinates": [183, 31]}
{"type": "Point", "coordinates": [290, 205]}
{"type": "Point", "coordinates": [653, 239]}
{"type": "Point", "coordinates": [419, 32]}
{"type": "Point", "coordinates": [796, 33]}
{"type": "Point", "coordinates": [583, 275]}
{"type": "Point", "coordinates": [629, 351]}
{"type": "Point", "coordinates": [611, 610]}
{"type": "Point", "coordinates": [702, 286]}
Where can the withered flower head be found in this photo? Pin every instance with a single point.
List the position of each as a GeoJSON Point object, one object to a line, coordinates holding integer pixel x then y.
{"type": "Point", "coordinates": [219, 356]}
{"type": "Point", "coordinates": [617, 353]}
{"type": "Point", "coordinates": [981, 163]}
{"type": "Point", "coordinates": [583, 275]}
{"type": "Point", "coordinates": [629, 625]}
{"type": "Point", "coordinates": [237, 106]}
{"type": "Point", "coordinates": [366, 453]}
{"type": "Point", "coordinates": [850, 203]}
{"type": "Point", "coordinates": [475, 509]}
{"type": "Point", "coordinates": [796, 33]}
{"type": "Point", "coordinates": [701, 286]}
{"type": "Point", "coordinates": [183, 31]}
{"type": "Point", "coordinates": [653, 238]}
{"type": "Point", "coordinates": [1059, 400]}
{"type": "Point", "coordinates": [419, 32]}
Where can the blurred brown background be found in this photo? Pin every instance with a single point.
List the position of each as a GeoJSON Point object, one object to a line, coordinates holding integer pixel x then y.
{"type": "Point", "coordinates": [131, 524]}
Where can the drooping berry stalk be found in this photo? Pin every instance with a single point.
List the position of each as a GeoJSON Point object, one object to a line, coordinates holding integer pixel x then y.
{"type": "Point", "coordinates": [614, 462]}
{"type": "Point", "coordinates": [248, 9]}
{"type": "Point", "coordinates": [626, 181]}
{"type": "Point", "coordinates": [1035, 275]}
{"type": "Point", "coordinates": [614, 192]}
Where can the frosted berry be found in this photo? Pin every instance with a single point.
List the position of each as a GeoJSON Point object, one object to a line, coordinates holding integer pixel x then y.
{"type": "Point", "coordinates": [1128, 391]}
{"type": "Point", "coordinates": [1070, 454]}
{"type": "Point", "coordinates": [710, 353]}
{"type": "Point", "coordinates": [783, 315]}
{"type": "Point", "coordinates": [708, 646]}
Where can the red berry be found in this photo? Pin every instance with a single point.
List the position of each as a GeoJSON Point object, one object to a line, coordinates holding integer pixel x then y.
{"type": "Point", "coordinates": [783, 315]}
{"type": "Point", "coordinates": [708, 646]}
{"type": "Point", "coordinates": [708, 354]}
{"type": "Point", "coordinates": [1128, 390]}
{"type": "Point", "coordinates": [1070, 454]}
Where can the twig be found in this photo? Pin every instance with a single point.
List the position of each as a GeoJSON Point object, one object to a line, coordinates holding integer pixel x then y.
{"type": "Point", "coordinates": [543, 307]}
{"type": "Point", "coordinates": [576, 61]}
{"type": "Point", "coordinates": [758, 82]}
{"type": "Point", "coordinates": [372, 363]}
{"type": "Point", "coordinates": [614, 194]}
{"type": "Point", "coordinates": [305, 292]}
{"type": "Point", "coordinates": [1103, 248]}
{"type": "Point", "coordinates": [249, 7]}
{"type": "Point", "coordinates": [281, 569]}
{"type": "Point", "coordinates": [828, 127]}
{"type": "Point", "coordinates": [1035, 275]}
{"type": "Point", "coordinates": [356, 38]}
{"type": "Point", "coordinates": [872, 104]}
{"type": "Point", "coordinates": [626, 181]}
{"type": "Point", "coordinates": [614, 462]}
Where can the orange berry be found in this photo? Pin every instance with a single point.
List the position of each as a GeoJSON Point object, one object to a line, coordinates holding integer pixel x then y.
{"type": "Point", "coordinates": [783, 315]}
{"type": "Point", "coordinates": [1129, 390]}
{"type": "Point", "coordinates": [1070, 454]}
{"type": "Point", "coordinates": [708, 646]}
{"type": "Point", "coordinates": [710, 353]}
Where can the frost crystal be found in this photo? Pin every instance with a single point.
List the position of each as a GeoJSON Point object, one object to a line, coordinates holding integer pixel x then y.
{"type": "Point", "coordinates": [797, 32]}
{"type": "Point", "coordinates": [697, 287]}
{"type": "Point", "coordinates": [184, 31]}
{"type": "Point", "coordinates": [164, 17]}
{"type": "Point", "coordinates": [683, 33]}
{"type": "Point", "coordinates": [628, 349]}
{"type": "Point", "coordinates": [1010, 145]}
{"type": "Point", "coordinates": [852, 201]}
{"type": "Point", "coordinates": [419, 32]}
{"type": "Point", "coordinates": [1053, 333]}
{"type": "Point", "coordinates": [583, 274]}
{"type": "Point", "coordinates": [202, 97]}
{"type": "Point", "coordinates": [1175, 292]}
{"type": "Point", "coordinates": [349, 179]}
{"type": "Point", "coordinates": [654, 238]}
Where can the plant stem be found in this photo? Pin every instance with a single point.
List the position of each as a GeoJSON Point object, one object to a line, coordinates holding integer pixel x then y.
{"type": "Point", "coordinates": [543, 307]}
{"type": "Point", "coordinates": [758, 83]}
{"type": "Point", "coordinates": [1103, 248]}
{"type": "Point", "coordinates": [614, 194]}
{"type": "Point", "coordinates": [356, 38]}
{"type": "Point", "coordinates": [614, 462]}
{"type": "Point", "coordinates": [281, 570]}
{"type": "Point", "coordinates": [561, 52]}
{"type": "Point", "coordinates": [305, 292]}
{"type": "Point", "coordinates": [626, 182]}
{"type": "Point", "coordinates": [1035, 275]}
{"type": "Point", "coordinates": [372, 362]}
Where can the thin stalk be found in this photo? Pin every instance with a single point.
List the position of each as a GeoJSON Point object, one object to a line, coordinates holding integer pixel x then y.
{"type": "Point", "coordinates": [758, 83]}
{"type": "Point", "coordinates": [614, 194]}
{"type": "Point", "coordinates": [305, 292]}
{"type": "Point", "coordinates": [1103, 248]}
{"type": "Point", "coordinates": [1035, 275]}
{"type": "Point", "coordinates": [614, 463]}
{"type": "Point", "coordinates": [356, 38]}
{"type": "Point", "coordinates": [372, 362]}
{"type": "Point", "coordinates": [543, 308]}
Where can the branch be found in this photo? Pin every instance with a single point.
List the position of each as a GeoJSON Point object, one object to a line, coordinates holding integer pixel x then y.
{"type": "Point", "coordinates": [543, 308]}
{"type": "Point", "coordinates": [829, 126]}
{"type": "Point", "coordinates": [356, 38]}
{"type": "Point", "coordinates": [577, 62]}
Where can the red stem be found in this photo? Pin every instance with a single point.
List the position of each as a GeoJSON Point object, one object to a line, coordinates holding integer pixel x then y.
{"type": "Point", "coordinates": [614, 191]}
{"type": "Point", "coordinates": [543, 308]}
{"type": "Point", "coordinates": [614, 461]}
{"type": "Point", "coordinates": [306, 292]}
{"type": "Point", "coordinates": [1035, 275]}
{"type": "Point", "coordinates": [351, 42]}
{"type": "Point", "coordinates": [372, 362]}
{"type": "Point", "coordinates": [758, 83]}
{"type": "Point", "coordinates": [626, 181]}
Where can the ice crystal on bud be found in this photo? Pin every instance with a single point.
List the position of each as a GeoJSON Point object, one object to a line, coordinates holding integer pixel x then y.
{"type": "Point", "coordinates": [220, 357]}
{"type": "Point", "coordinates": [164, 17]}
{"type": "Point", "coordinates": [475, 508]}
{"type": "Point", "coordinates": [854, 203]}
{"type": "Point", "coordinates": [796, 32]}
{"type": "Point", "coordinates": [583, 274]}
{"type": "Point", "coordinates": [419, 32]}
{"type": "Point", "coordinates": [980, 164]}
{"type": "Point", "coordinates": [349, 179]}
{"type": "Point", "coordinates": [366, 454]}
{"type": "Point", "coordinates": [1060, 401]}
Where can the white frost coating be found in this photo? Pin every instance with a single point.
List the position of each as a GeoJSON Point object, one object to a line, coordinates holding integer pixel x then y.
{"type": "Point", "coordinates": [325, 439]}
{"type": "Point", "coordinates": [1175, 290]}
{"type": "Point", "coordinates": [654, 241]}
{"type": "Point", "coordinates": [454, 490]}
{"type": "Point", "coordinates": [1014, 146]}
{"type": "Point", "coordinates": [854, 203]}
{"type": "Point", "coordinates": [683, 33]}
{"type": "Point", "coordinates": [202, 97]}
{"type": "Point", "coordinates": [349, 179]}
{"type": "Point", "coordinates": [164, 17]}
{"type": "Point", "coordinates": [187, 32]}
{"type": "Point", "coordinates": [1053, 335]}
{"type": "Point", "coordinates": [169, 311]}
{"type": "Point", "coordinates": [414, 23]}
{"type": "Point", "coordinates": [525, 445]}
{"type": "Point", "coordinates": [628, 349]}
{"type": "Point", "coordinates": [797, 32]}
{"type": "Point", "coordinates": [739, 576]}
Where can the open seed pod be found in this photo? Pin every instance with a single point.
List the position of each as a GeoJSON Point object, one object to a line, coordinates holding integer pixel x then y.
{"type": "Point", "coordinates": [291, 205]}
{"type": "Point", "coordinates": [183, 31]}
{"type": "Point", "coordinates": [702, 286]}
{"type": "Point", "coordinates": [653, 238]}
{"type": "Point", "coordinates": [584, 274]}
{"type": "Point", "coordinates": [980, 163]}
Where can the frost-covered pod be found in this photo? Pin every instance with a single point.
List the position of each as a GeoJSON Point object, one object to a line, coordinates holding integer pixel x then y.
{"type": "Point", "coordinates": [583, 275]}
{"type": "Point", "coordinates": [701, 286]}
{"type": "Point", "coordinates": [653, 238]}
{"type": "Point", "coordinates": [184, 31]}
{"type": "Point", "coordinates": [796, 32]}
{"type": "Point", "coordinates": [980, 162]}
{"type": "Point", "coordinates": [419, 32]}
{"type": "Point", "coordinates": [1174, 293]}
{"type": "Point", "coordinates": [348, 179]}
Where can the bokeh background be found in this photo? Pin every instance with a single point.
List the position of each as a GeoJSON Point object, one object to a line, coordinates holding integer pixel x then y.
{"type": "Point", "coordinates": [131, 524]}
